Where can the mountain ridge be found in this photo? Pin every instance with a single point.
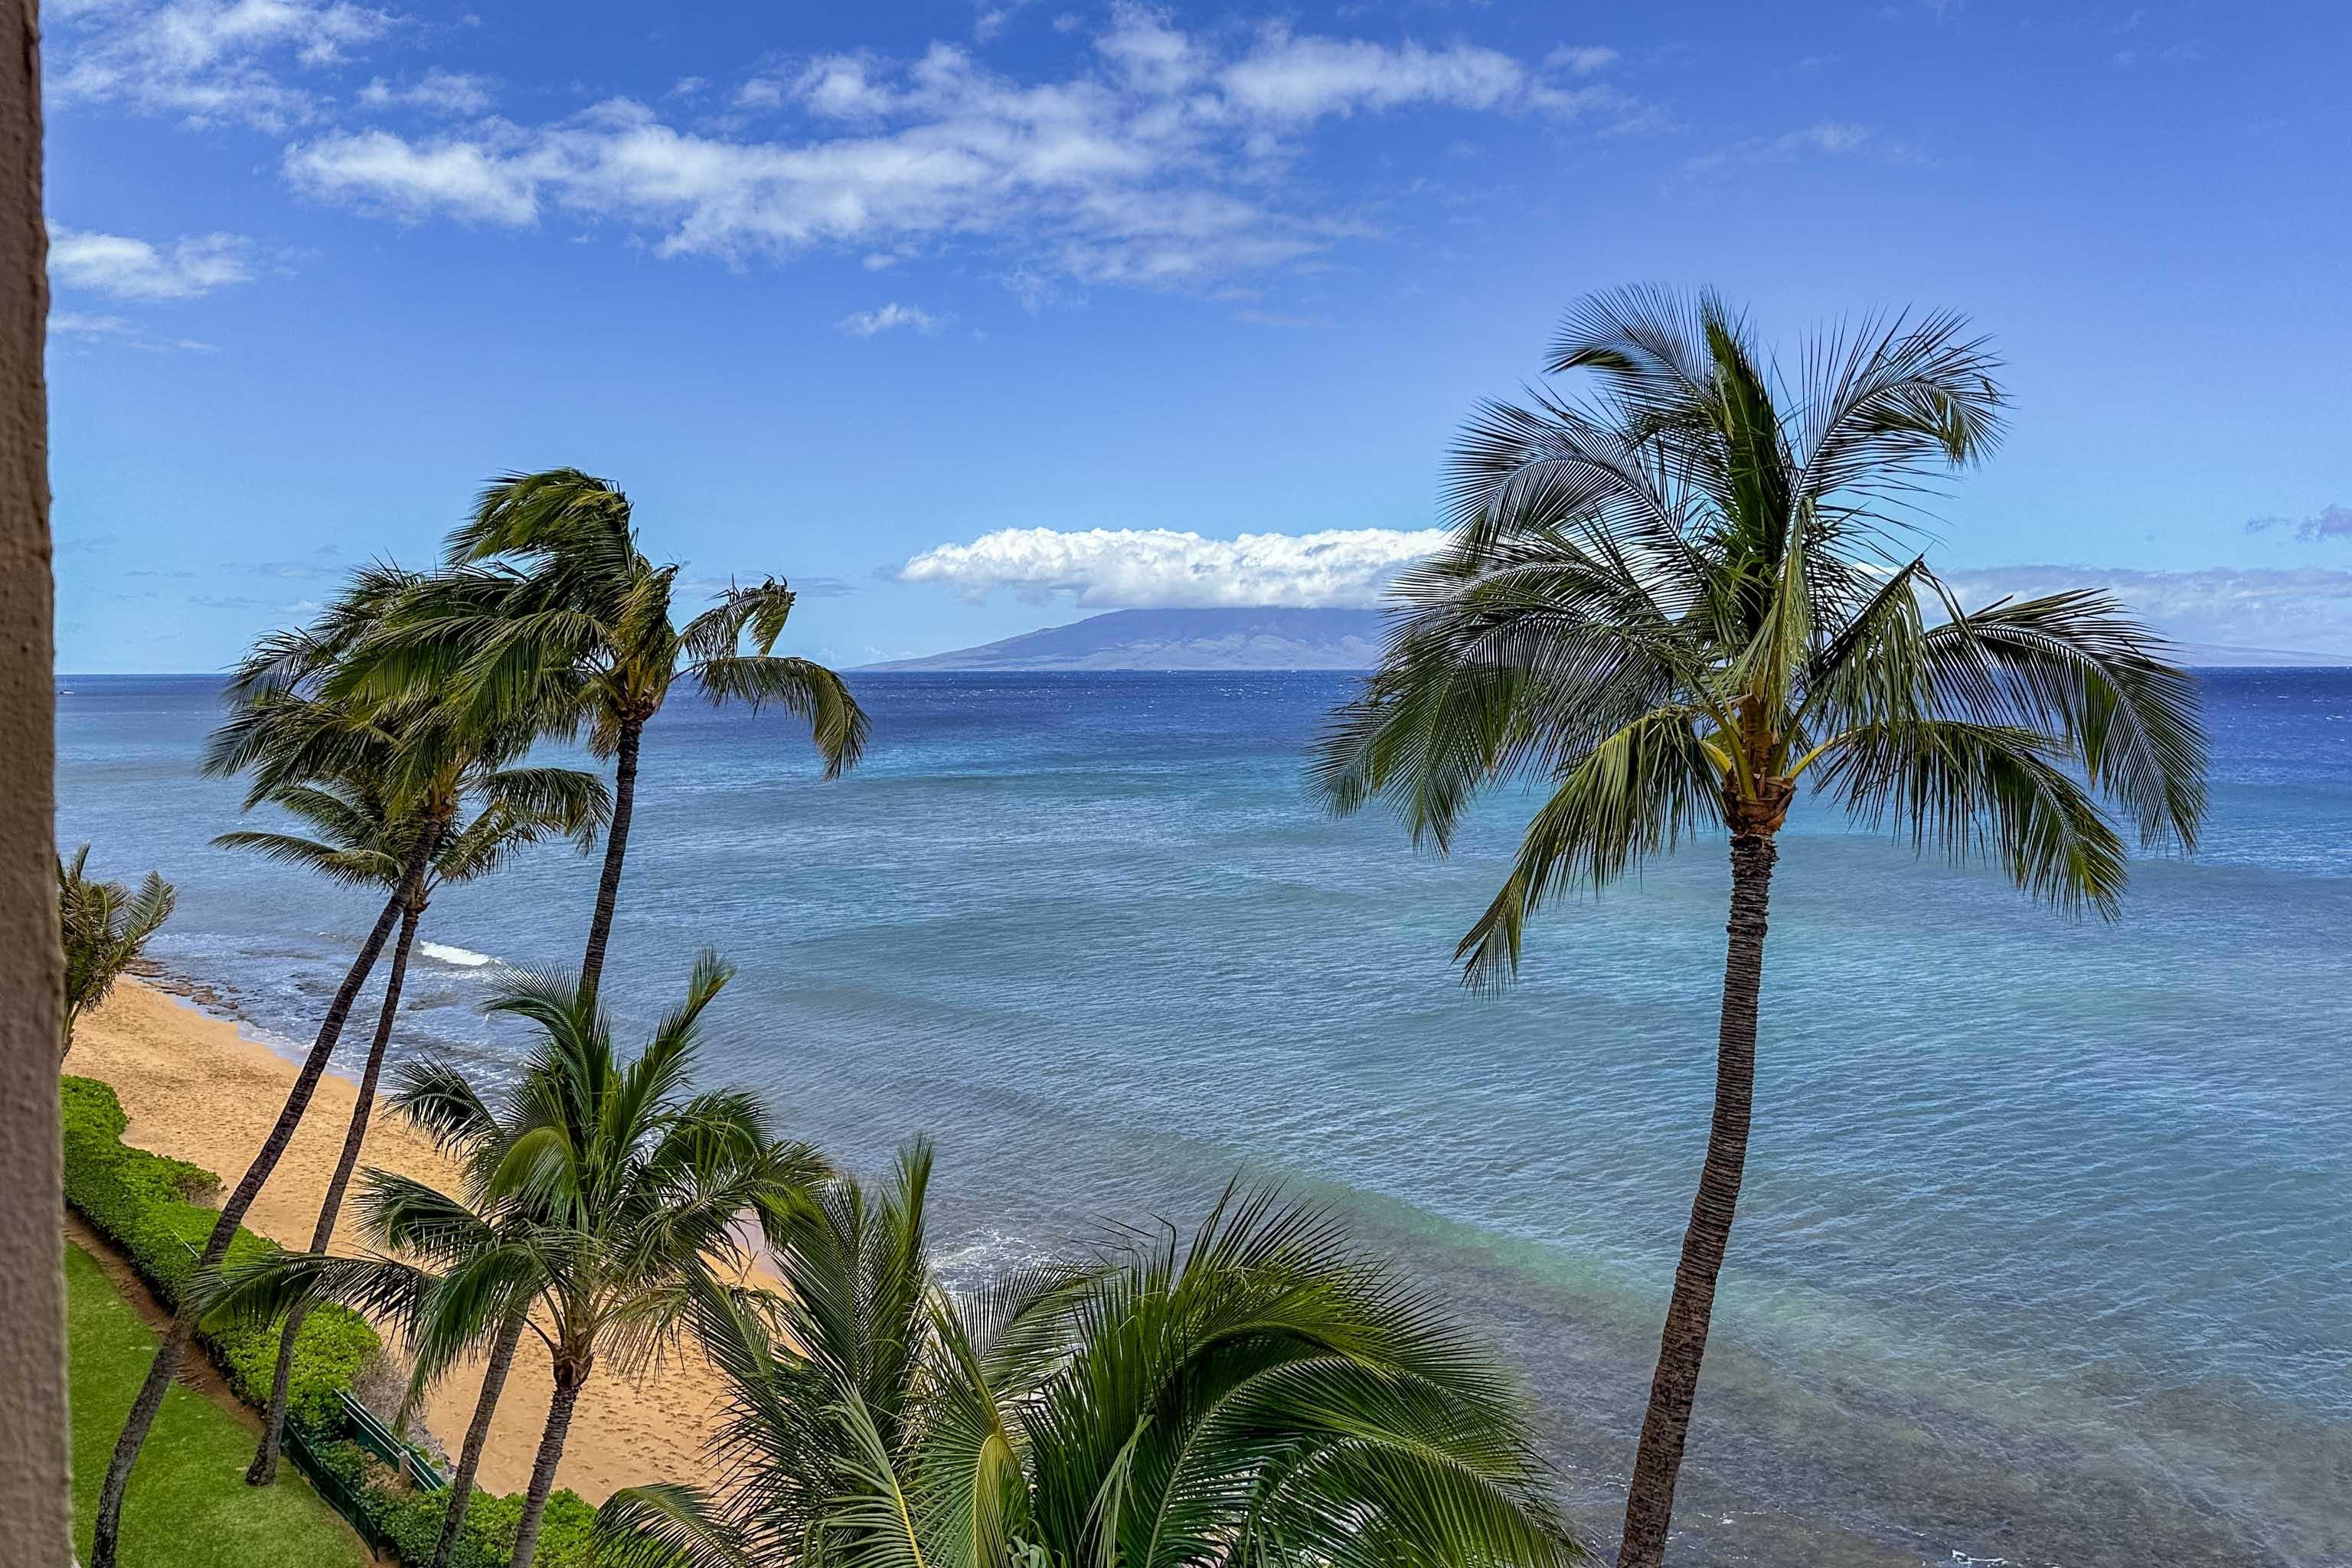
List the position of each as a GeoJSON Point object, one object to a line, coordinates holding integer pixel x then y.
{"type": "Point", "coordinates": [1277, 637]}
{"type": "Point", "coordinates": [1271, 637]}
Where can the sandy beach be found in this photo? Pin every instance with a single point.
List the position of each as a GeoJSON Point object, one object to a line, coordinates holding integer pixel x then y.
{"type": "Point", "coordinates": [197, 1089]}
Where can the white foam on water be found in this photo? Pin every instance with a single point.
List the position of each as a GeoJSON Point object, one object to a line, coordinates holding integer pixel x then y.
{"type": "Point", "coordinates": [463, 957]}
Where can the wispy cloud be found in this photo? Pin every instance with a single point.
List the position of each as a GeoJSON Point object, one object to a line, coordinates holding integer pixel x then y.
{"type": "Point", "coordinates": [133, 269]}
{"type": "Point", "coordinates": [1822, 139]}
{"type": "Point", "coordinates": [2305, 609]}
{"type": "Point", "coordinates": [70, 325]}
{"type": "Point", "coordinates": [2328, 523]}
{"type": "Point", "coordinates": [453, 94]}
{"type": "Point", "coordinates": [206, 60]}
{"type": "Point", "coordinates": [890, 317]}
{"type": "Point", "coordinates": [989, 16]}
{"type": "Point", "coordinates": [291, 571]}
{"type": "Point", "coordinates": [1157, 162]}
{"type": "Point", "coordinates": [1160, 568]}
{"type": "Point", "coordinates": [1582, 59]}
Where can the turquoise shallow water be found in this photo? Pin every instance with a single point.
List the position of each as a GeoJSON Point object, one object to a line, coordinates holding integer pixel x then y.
{"type": "Point", "coordinates": [2044, 1253]}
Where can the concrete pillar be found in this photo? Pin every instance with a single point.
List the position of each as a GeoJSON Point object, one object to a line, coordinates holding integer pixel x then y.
{"type": "Point", "coordinates": [36, 1496]}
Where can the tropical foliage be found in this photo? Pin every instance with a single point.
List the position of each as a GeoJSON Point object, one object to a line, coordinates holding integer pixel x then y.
{"type": "Point", "coordinates": [362, 835]}
{"type": "Point", "coordinates": [602, 1199]}
{"type": "Point", "coordinates": [104, 927]}
{"type": "Point", "coordinates": [549, 618]}
{"type": "Point", "coordinates": [1674, 602]}
{"type": "Point", "coordinates": [149, 1209]}
{"type": "Point", "coordinates": [1259, 1393]}
{"type": "Point", "coordinates": [285, 730]}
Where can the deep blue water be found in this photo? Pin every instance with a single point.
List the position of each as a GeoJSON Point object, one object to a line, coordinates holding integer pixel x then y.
{"type": "Point", "coordinates": [2045, 1250]}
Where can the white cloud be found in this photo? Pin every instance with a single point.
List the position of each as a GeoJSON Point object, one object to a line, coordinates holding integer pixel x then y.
{"type": "Point", "coordinates": [139, 270]}
{"type": "Point", "coordinates": [1158, 161]}
{"type": "Point", "coordinates": [890, 319]}
{"type": "Point", "coordinates": [209, 60]}
{"type": "Point", "coordinates": [379, 172]}
{"type": "Point", "coordinates": [455, 94]}
{"type": "Point", "coordinates": [1148, 51]}
{"type": "Point", "coordinates": [1293, 79]}
{"type": "Point", "coordinates": [1159, 568]}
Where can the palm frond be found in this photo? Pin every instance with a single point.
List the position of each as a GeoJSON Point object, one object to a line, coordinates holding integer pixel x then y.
{"type": "Point", "coordinates": [1638, 792]}
{"type": "Point", "coordinates": [2077, 666]}
{"type": "Point", "coordinates": [802, 687]}
{"type": "Point", "coordinates": [1984, 790]}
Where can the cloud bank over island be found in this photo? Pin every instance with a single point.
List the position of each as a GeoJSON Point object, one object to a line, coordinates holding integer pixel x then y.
{"type": "Point", "coordinates": [2305, 608]}
{"type": "Point", "coordinates": [1163, 568]}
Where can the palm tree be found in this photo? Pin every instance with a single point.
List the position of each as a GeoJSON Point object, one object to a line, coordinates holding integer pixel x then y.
{"type": "Point", "coordinates": [1676, 603]}
{"type": "Point", "coordinates": [364, 838]}
{"type": "Point", "coordinates": [602, 1197]}
{"type": "Point", "coordinates": [1260, 1394]}
{"type": "Point", "coordinates": [104, 926]}
{"type": "Point", "coordinates": [549, 608]}
{"type": "Point", "coordinates": [284, 728]}
{"type": "Point", "coordinates": [105, 1531]}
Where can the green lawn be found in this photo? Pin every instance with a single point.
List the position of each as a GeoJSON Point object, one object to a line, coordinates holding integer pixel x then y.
{"type": "Point", "coordinates": [189, 1506]}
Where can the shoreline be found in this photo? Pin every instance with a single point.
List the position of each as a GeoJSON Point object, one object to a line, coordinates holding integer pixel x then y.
{"type": "Point", "coordinates": [199, 1086]}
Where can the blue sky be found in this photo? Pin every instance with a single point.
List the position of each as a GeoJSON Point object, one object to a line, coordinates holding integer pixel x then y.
{"type": "Point", "coordinates": [835, 290]}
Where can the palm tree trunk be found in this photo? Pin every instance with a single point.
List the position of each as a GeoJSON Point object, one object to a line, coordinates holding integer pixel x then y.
{"type": "Point", "coordinates": [1650, 1501]}
{"type": "Point", "coordinates": [617, 850]}
{"type": "Point", "coordinates": [264, 1469]}
{"type": "Point", "coordinates": [568, 1380]}
{"type": "Point", "coordinates": [104, 1541]}
{"type": "Point", "coordinates": [477, 1435]}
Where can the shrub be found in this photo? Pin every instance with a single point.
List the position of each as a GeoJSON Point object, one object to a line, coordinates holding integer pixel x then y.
{"type": "Point", "coordinates": [142, 1203]}
{"type": "Point", "coordinates": [413, 1525]}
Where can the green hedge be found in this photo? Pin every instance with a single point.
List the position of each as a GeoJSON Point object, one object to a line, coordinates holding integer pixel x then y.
{"type": "Point", "coordinates": [411, 1522]}
{"type": "Point", "coordinates": [141, 1201]}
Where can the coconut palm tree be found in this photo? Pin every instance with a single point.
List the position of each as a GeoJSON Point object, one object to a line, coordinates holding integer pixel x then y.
{"type": "Point", "coordinates": [104, 926]}
{"type": "Point", "coordinates": [600, 1197]}
{"type": "Point", "coordinates": [364, 838]}
{"type": "Point", "coordinates": [1676, 604]}
{"type": "Point", "coordinates": [1258, 1394]}
{"type": "Point", "coordinates": [550, 607]}
{"type": "Point", "coordinates": [283, 728]}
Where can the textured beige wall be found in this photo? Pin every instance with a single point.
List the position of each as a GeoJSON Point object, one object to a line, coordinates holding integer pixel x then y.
{"type": "Point", "coordinates": [35, 1508]}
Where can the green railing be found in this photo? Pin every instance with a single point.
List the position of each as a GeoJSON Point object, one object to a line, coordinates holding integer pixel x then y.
{"type": "Point", "coordinates": [330, 1484]}
{"type": "Point", "coordinates": [360, 1424]}
{"type": "Point", "coordinates": [382, 1442]}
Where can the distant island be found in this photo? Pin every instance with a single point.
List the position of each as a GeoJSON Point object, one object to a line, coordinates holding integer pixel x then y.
{"type": "Point", "coordinates": [1272, 638]}
{"type": "Point", "coordinates": [1180, 639]}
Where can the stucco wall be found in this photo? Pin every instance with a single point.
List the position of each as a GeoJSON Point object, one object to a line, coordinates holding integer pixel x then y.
{"type": "Point", "coordinates": [36, 1510]}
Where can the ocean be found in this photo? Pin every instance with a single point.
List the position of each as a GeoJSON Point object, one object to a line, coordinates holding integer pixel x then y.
{"type": "Point", "coordinates": [2044, 1253]}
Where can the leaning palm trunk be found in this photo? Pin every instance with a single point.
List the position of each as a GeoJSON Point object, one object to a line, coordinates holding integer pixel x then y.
{"type": "Point", "coordinates": [477, 1435]}
{"type": "Point", "coordinates": [104, 1539]}
{"type": "Point", "coordinates": [1649, 1501]}
{"type": "Point", "coordinates": [616, 851]}
{"type": "Point", "coordinates": [568, 1382]}
{"type": "Point", "coordinates": [264, 1469]}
